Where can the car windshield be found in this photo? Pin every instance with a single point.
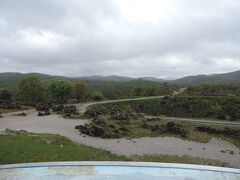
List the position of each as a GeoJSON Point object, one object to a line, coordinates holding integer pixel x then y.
{"type": "Point", "coordinates": [119, 89]}
{"type": "Point", "coordinates": [116, 170]}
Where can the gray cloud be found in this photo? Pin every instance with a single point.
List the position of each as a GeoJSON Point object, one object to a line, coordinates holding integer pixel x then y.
{"type": "Point", "coordinates": [80, 37]}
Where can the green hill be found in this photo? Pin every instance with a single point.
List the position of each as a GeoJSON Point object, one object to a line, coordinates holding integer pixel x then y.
{"type": "Point", "coordinates": [10, 80]}
{"type": "Point", "coordinates": [232, 77]}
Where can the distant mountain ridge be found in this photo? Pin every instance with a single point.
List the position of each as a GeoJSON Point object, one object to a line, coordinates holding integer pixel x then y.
{"type": "Point", "coordinates": [225, 78]}
{"type": "Point", "coordinates": [105, 78]}
{"type": "Point", "coordinates": [10, 79]}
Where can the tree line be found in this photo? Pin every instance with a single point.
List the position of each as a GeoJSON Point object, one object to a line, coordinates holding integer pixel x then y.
{"type": "Point", "coordinates": [31, 91]}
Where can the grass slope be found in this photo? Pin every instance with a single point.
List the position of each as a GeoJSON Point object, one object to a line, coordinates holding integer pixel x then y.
{"type": "Point", "coordinates": [26, 148]}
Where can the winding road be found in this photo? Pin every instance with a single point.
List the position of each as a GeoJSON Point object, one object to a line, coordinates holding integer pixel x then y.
{"type": "Point", "coordinates": [55, 124]}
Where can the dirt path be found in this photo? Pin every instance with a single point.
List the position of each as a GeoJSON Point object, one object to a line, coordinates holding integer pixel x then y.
{"type": "Point", "coordinates": [83, 106]}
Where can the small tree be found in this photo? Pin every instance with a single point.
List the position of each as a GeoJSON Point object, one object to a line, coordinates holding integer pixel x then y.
{"type": "Point", "coordinates": [97, 95]}
{"type": "Point", "coordinates": [79, 91]}
{"type": "Point", "coordinates": [5, 95]}
{"type": "Point", "coordinates": [60, 89]}
{"type": "Point", "coordinates": [31, 90]}
{"type": "Point", "coordinates": [138, 91]}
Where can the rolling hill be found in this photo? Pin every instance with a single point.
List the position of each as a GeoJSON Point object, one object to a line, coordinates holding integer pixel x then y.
{"type": "Point", "coordinates": [11, 80]}
{"type": "Point", "coordinates": [232, 77]}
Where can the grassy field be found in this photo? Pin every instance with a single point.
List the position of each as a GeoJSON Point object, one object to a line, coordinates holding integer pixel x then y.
{"type": "Point", "coordinates": [23, 147]}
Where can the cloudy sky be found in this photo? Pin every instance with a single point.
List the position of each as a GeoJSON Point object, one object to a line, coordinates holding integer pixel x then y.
{"type": "Point", "coordinates": [162, 38]}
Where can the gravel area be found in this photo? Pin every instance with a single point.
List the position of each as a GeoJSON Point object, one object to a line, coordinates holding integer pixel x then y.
{"type": "Point", "coordinates": [55, 124]}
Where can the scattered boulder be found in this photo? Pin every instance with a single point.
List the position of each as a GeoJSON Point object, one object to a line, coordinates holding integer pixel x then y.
{"type": "Point", "coordinates": [43, 107]}
{"type": "Point", "coordinates": [41, 114]}
{"type": "Point", "coordinates": [99, 120]}
{"type": "Point", "coordinates": [45, 113]}
{"type": "Point", "coordinates": [99, 128]}
{"type": "Point", "coordinates": [8, 104]}
{"type": "Point", "coordinates": [68, 115]}
{"type": "Point", "coordinates": [91, 113]}
{"type": "Point", "coordinates": [58, 108]}
{"type": "Point", "coordinates": [225, 131]}
{"type": "Point", "coordinates": [91, 130]}
{"type": "Point", "coordinates": [21, 114]}
{"type": "Point", "coordinates": [134, 115]}
{"type": "Point", "coordinates": [112, 134]}
{"type": "Point", "coordinates": [70, 109]}
{"type": "Point", "coordinates": [95, 111]}
{"type": "Point", "coordinates": [172, 128]}
{"type": "Point", "coordinates": [118, 115]}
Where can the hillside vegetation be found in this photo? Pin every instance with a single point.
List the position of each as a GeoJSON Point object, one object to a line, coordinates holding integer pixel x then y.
{"type": "Point", "coordinates": [226, 78]}
{"type": "Point", "coordinates": [11, 80]}
{"type": "Point", "coordinates": [224, 108]}
{"type": "Point", "coordinates": [112, 87]}
{"type": "Point", "coordinates": [213, 90]}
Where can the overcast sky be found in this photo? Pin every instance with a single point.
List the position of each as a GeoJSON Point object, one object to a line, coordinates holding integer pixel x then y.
{"type": "Point", "coordinates": [161, 38]}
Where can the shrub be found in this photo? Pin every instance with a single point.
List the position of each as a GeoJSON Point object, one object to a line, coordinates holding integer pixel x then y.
{"type": "Point", "coordinates": [97, 95]}
{"type": "Point", "coordinates": [5, 95]}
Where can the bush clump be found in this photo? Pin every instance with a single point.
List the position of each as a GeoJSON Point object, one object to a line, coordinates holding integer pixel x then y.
{"type": "Point", "coordinates": [97, 95]}
{"type": "Point", "coordinates": [226, 131]}
{"type": "Point", "coordinates": [106, 131]}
